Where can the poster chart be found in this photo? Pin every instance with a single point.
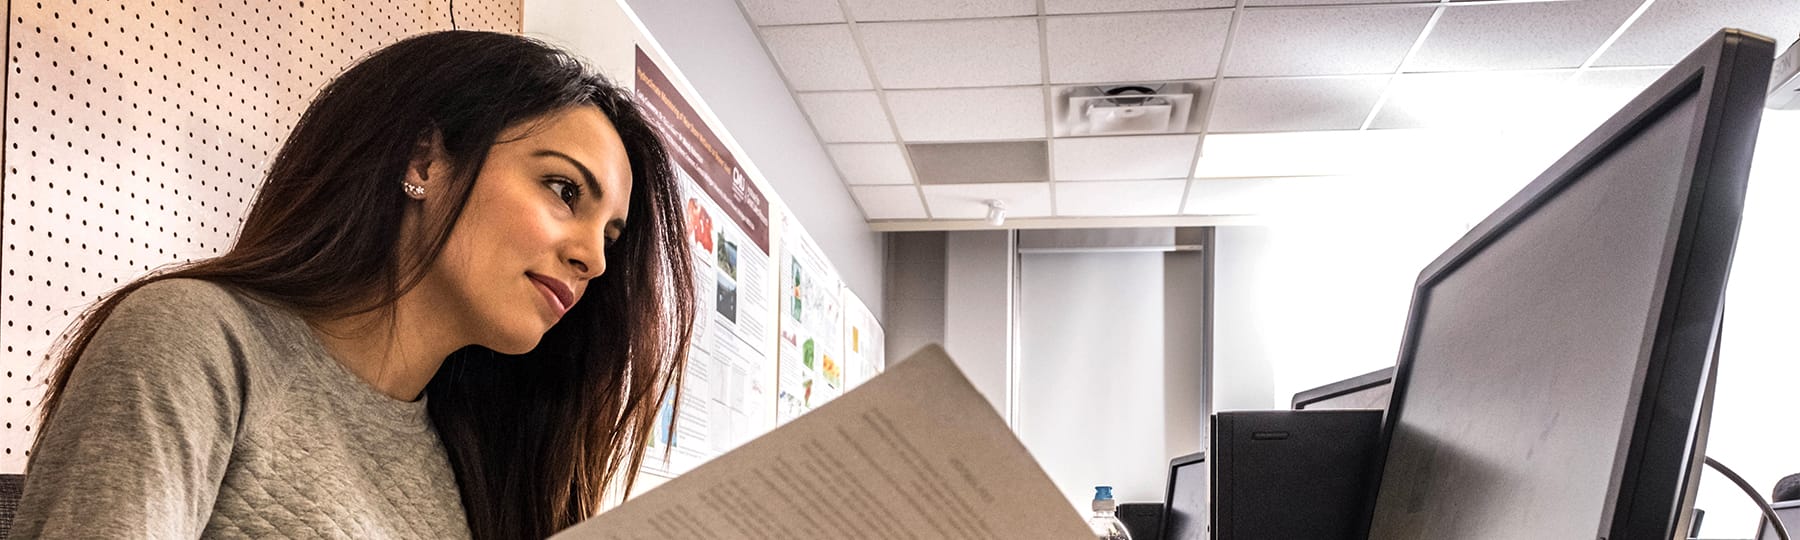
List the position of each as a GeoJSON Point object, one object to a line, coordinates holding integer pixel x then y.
{"type": "Point", "coordinates": [728, 387]}
{"type": "Point", "coordinates": [864, 342]}
{"type": "Point", "coordinates": [812, 326]}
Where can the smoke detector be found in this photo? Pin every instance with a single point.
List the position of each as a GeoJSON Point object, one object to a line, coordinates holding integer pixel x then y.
{"type": "Point", "coordinates": [1126, 109]}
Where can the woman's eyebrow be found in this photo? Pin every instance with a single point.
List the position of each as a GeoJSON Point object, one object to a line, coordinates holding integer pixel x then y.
{"type": "Point", "coordinates": [587, 176]}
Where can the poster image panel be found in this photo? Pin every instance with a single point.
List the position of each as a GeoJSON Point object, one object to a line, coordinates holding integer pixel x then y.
{"type": "Point", "coordinates": [810, 372]}
{"type": "Point", "coordinates": [865, 343]}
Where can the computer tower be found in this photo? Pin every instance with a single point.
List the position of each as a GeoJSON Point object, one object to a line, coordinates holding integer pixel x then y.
{"type": "Point", "coordinates": [1280, 475]}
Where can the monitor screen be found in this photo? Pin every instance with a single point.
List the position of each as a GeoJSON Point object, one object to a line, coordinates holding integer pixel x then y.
{"type": "Point", "coordinates": [1539, 345]}
{"type": "Point", "coordinates": [1187, 513]}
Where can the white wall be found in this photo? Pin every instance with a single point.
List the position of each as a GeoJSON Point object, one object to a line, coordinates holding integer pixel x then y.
{"type": "Point", "coordinates": [714, 46]}
{"type": "Point", "coordinates": [1091, 395]}
{"type": "Point", "coordinates": [1320, 293]}
{"type": "Point", "coordinates": [978, 280]}
{"type": "Point", "coordinates": [1186, 342]}
{"type": "Point", "coordinates": [915, 292]}
{"type": "Point", "coordinates": [1759, 361]}
{"type": "Point", "coordinates": [1298, 306]}
{"type": "Point", "coordinates": [1243, 332]}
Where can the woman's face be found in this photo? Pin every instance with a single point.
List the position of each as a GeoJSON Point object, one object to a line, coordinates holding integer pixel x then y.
{"type": "Point", "coordinates": [551, 197]}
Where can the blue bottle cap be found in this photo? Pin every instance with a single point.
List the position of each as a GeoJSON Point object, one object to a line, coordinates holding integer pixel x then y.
{"type": "Point", "coordinates": [1102, 493]}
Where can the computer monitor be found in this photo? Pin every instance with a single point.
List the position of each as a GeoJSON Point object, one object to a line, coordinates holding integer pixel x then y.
{"type": "Point", "coordinates": [1366, 391]}
{"type": "Point", "coordinates": [1550, 378]}
{"type": "Point", "coordinates": [1185, 507]}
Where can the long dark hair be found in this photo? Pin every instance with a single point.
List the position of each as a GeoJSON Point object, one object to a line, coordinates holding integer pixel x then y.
{"type": "Point", "coordinates": [538, 441]}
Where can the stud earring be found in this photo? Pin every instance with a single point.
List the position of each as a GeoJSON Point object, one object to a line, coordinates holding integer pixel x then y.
{"type": "Point", "coordinates": [413, 190]}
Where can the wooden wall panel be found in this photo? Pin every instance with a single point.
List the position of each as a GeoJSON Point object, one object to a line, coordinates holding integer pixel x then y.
{"type": "Point", "coordinates": [136, 133]}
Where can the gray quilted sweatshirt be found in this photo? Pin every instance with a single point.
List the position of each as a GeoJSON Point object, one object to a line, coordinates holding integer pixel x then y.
{"type": "Point", "coordinates": [200, 412]}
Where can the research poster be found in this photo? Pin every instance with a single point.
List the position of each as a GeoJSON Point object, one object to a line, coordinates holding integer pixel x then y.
{"type": "Point", "coordinates": [725, 392]}
{"type": "Point", "coordinates": [812, 318]}
{"type": "Point", "coordinates": [864, 342]}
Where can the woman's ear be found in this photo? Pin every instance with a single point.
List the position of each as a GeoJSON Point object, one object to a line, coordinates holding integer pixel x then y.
{"type": "Point", "coordinates": [429, 166]}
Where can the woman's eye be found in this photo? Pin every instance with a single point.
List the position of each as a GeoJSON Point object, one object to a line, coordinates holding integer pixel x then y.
{"type": "Point", "coordinates": [568, 191]}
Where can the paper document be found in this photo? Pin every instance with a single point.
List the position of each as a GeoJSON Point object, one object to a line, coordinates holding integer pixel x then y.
{"type": "Point", "coordinates": [915, 453]}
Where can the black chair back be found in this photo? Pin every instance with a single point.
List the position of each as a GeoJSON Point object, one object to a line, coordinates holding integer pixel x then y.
{"type": "Point", "coordinates": [1788, 489]}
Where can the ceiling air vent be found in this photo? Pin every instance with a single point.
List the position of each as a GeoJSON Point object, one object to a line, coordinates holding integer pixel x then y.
{"type": "Point", "coordinates": [1127, 109]}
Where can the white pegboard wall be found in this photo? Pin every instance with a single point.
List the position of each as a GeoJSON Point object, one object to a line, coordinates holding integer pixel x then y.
{"type": "Point", "coordinates": [136, 133]}
{"type": "Point", "coordinates": [497, 16]}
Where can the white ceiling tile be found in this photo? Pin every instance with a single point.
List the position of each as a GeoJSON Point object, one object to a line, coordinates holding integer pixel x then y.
{"type": "Point", "coordinates": [871, 163]}
{"type": "Point", "coordinates": [1471, 100]}
{"type": "Point", "coordinates": [1621, 83]}
{"type": "Point", "coordinates": [1594, 95]}
{"type": "Point", "coordinates": [889, 202]}
{"type": "Point", "coordinates": [768, 12]}
{"type": "Point", "coordinates": [917, 10]}
{"type": "Point", "coordinates": [1324, 41]}
{"type": "Point", "coordinates": [1540, 35]}
{"type": "Point", "coordinates": [1314, 153]}
{"type": "Point", "coordinates": [950, 54]}
{"type": "Point", "coordinates": [1126, 198]}
{"type": "Point", "coordinates": [969, 114]}
{"type": "Point", "coordinates": [1136, 47]}
{"type": "Point", "coordinates": [1238, 196]}
{"type": "Point", "coordinates": [1125, 158]}
{"type": "Point", "coordinates": [1264, 196]}
{"type": "Point", "coordinates": [969, 201]}
{"type": "Point", "coordinates": [1308, 104]}
{"type": "Point", "coordinates": [1065, 7]}
{"type": "Point", "coordinates": [847, 116]}
{"type": "Point", "coordinates": [1260, 3]}
{"type": "Point", "coordinates": [821, 57]}
{"type": "Point", "coordinates": [1670, 29]}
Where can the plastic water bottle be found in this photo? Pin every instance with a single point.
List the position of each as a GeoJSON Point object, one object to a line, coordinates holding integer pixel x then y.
{"type": "Point", "coordinates": [1105, 523]}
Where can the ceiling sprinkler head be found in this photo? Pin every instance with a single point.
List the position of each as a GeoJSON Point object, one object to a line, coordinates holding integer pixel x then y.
{"type": "Point", "coordinates": [996, 212]}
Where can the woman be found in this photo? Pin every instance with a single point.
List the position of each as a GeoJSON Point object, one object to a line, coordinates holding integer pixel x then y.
{"type": "Point", "coordinates": [452, 311]}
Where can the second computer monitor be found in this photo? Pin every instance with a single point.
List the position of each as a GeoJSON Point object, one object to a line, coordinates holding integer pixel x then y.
{"type": "Point", "coordinates": [1186, 511]}
{"type": "Point", "coordinates": [1367, 391]}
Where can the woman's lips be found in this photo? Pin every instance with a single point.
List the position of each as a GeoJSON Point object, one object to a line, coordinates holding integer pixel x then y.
{"type": "Point", "coordinates": [554, 292]}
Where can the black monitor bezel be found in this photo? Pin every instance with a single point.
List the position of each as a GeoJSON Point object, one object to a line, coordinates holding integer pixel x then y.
{"type": "Point", "coordinates": [1348, 386]}
{"type": "Point", "coordinates": [1162, 522]}
{"type": "Point", "coordinates": [1727, 74]}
